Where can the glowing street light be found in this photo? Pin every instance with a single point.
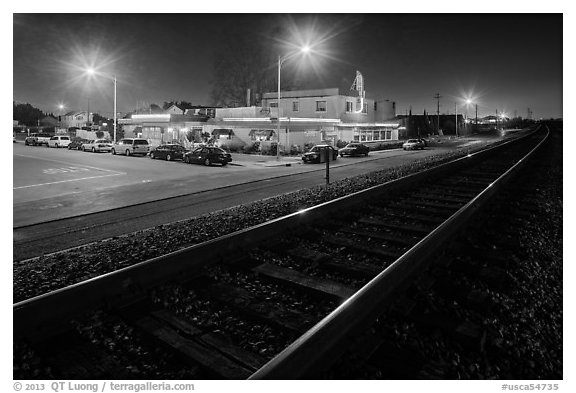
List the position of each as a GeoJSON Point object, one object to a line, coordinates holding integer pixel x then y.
{"type": "Point", "coordinates": [281, 59]}
{"type": "Point", "coordinates": [60, 108]}
{"type": "Point", "coordinates": [468, 101]}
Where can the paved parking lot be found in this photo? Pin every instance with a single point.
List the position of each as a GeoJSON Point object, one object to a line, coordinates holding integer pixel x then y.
{"type": "Point", "coordinates": [54, 183]}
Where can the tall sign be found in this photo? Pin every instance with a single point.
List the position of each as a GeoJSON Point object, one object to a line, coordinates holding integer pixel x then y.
{"type": "Point", "coordinates": [358, 85]}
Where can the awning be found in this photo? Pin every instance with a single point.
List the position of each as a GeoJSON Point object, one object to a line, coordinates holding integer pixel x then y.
{"type": "Point", "coordinates": [222, 131]}
{"type": "Point", "coordinates": [262, 133]}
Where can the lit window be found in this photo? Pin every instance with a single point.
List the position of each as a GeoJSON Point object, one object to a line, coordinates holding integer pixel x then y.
{"type": "Point", "coordinates": [295, 106]}
{"type": "Point", "coordinates": [320, 106]}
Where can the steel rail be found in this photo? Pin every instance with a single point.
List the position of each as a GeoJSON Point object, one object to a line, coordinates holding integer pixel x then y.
{"type": "Point", "coordinates": [44, 314]}
{"type": "Point", "coordinates": [319, 347]}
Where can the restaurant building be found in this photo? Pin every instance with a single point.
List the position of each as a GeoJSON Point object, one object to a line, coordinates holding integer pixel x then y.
{"type": "Point", "coordinates": [301, 118]}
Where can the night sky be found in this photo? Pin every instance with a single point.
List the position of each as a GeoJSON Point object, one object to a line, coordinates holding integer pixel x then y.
{"type": "Point", "coordinates": [509, 62]}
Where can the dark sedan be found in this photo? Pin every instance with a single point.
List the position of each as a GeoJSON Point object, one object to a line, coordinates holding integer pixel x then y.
{"type": "Point", "coordinates": [207, 155]}
{"type": "Point", "coordinates": [354, 149]}
{"type": "Point", "coordinates": [168, 152]}
{"type": "Point", "coordinates": [317, 154]}
{"type": "Point", "coordinates": [76, 143]}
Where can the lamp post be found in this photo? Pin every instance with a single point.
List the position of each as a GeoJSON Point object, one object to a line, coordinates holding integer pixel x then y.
{"type": "Point", "coordinates": [115, 111]}
{"type": "Point", "coordinates": [468, 102]}
{"type": "Point", "coordinates": [60, 107]}
{"type": "Point", "coordinates": [282, 59]}
{"type": "Point", "coordinates": [91, 71]}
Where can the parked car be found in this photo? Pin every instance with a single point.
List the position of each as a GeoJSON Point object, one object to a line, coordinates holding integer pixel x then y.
{"type": "Point", "coordinates": [131, 146]}
{"type": "Point", "coordinates": [37, 139]}
{"type": "Point", "coordinates": [413, 144]}
{"type": "Point", "coordinates": [207, 155]}
{"type": "Point", "coordinates": [97, 145]}
{"type": "Point", "coordinates": [76, 143]}
{"type": "Point", "coordinates": [59, 141]}
{"type": "Point", "coordinates": [354, 149]}
{"type": "Point", "coordinates": [317, 154]}
{"type": "Point", "coordinates": [168, 152]}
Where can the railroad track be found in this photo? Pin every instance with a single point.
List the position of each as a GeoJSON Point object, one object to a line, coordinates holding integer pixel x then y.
{"type": "Point", "coordinates": [282, 300]}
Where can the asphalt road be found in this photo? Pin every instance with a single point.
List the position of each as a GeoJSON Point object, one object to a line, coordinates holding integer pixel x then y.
{"type": "Point", "coordinates": [64, 198]}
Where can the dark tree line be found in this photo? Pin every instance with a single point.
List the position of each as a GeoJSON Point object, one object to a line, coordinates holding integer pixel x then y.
{"type": "Point", "coordinates": [28, 115]}
{"type": "Point", "coordinates": [179, 104]}
{"type": "Point", "coordinates": [247, 58]}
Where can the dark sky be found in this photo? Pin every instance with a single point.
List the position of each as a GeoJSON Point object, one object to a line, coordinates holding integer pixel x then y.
{"type": "Point", "coordinates": [508, 62]}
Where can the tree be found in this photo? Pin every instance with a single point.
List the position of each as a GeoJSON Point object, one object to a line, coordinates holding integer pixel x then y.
{"type": "Point", "coordinates": [27, 114]}
{"type": "Point", "coordinates": [154, 108]}
{"type": "Point", "coordinates": [180, 104]}
{"type": "Point", "coordinates": [247, 60]}
{"type": "Point", "coordinates": [98, 119]}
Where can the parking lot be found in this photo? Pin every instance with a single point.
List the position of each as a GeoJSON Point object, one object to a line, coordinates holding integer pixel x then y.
{"type": "Point", "coordinates": [52, 183]}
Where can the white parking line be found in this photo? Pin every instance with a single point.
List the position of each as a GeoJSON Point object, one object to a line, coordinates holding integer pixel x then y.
{"type": "Point", "coordinates": [70, 180]}
{"type": "Point", "coordinates": [68, 163]}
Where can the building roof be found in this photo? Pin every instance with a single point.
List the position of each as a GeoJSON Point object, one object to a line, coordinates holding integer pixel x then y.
{"type": "Point", "coordinates": [311, 93]}
{"type": "Point", "coordinates": [74, 113]}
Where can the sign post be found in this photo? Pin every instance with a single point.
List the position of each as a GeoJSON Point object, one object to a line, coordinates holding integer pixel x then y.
{"type": "Point", "coordinates": [327, 156]}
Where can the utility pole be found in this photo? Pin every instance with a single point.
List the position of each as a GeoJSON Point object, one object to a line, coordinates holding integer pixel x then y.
{"type": "Point", "coordinates": [438, 96]}
{"type": "Point", "coordinates": [476, 114]}
{"type": "Point", "coordinates": [456, 117]}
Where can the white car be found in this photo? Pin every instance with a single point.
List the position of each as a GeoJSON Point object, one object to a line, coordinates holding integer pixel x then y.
{"type": "Point", "coordinates": [131, 146]}
{"type": "Point", "coordinates": [59, 141]}
{"type": "Point", "coordinates": [413, 144]}
{"type": "Point", "coordinates": [97, 145]}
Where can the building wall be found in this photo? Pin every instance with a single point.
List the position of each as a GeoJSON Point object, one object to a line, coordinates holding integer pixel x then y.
{"type": "Point", "coordinates": [341, 107]}
{"type": "Point", "coordinates": [245, 134]}
{"type": "Point", "coordinates": [75, 120]}
{"type": "Point", "coordinates": [91, 135]}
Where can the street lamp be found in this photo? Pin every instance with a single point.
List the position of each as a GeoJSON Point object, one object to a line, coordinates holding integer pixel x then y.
{"type": "Point", "coordinates": [92, 71]}
{"type": "Point", "coordinates": [115, 111]}
{"type": "Point", "coordinates": [282, 59]}
{"type": "Point", "coordinates": [468, 102]}
{"type": "Point", "coordinates": [60, 107]}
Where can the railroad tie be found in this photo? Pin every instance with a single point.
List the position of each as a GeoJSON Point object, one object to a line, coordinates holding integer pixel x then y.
{"type": "Point", "coordinates": [321, 286]}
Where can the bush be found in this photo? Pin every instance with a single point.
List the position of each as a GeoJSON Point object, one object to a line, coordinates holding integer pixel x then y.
{"type": "Point", "coordinates": [272, 150]}
{"type": "Point", "coordinates": [251, 149]}
{"type": "Point", "coordinates": [340, 144]}
{"type": "Point", "coordinates": [294, 150]}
